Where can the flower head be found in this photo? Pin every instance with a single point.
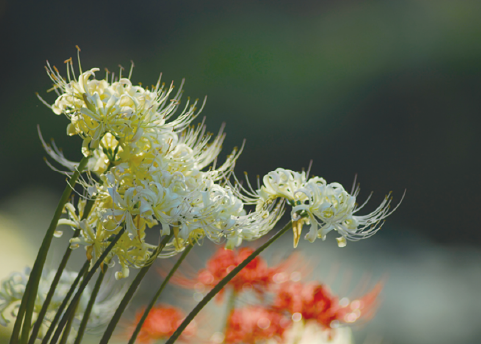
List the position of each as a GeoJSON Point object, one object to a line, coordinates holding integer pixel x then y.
{"type": "Point", "coordinates": [284, 184]}
{"type": "Point", "coordinates": [256, 276]}
{"type": "Point", "coordinates": [315, 302]}
{"type": "Point", "coordinates": [147, 168]}
{"type": "Point", "coordinates": [324, 206]}
{"type": "Point", "coordinates": [330, 207]}
{"type": "Point", "coordinates": [13, 288]}
{"type": "Point", "coordinates": [311, 301]}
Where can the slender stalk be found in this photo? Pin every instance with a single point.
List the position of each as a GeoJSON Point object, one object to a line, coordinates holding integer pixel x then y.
{"type": "Point", "coordinates": [28, 300]}
{"type": "Point", "coordinates": [90, 305]}
{"type": "Point", "coordinates": [67, 329]}
{"type": "Point", "coordinates": [64, 303]}
{"type": "Point", "coordinates": [85, 281]}
{"type": "Point", "coordinates": [132, 289]}
{"type": "Point", "coordinates": [210, 295]}
{"type": "Point", "coordinates": [53, 286]}
{"type": "Point", "coordinates": [51, 292]}
{"type": "Point", "coordinates": [156, 296]}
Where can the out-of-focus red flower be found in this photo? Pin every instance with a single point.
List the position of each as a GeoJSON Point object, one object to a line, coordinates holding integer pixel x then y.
{"type": "Point", "coordinates": [161, 323]}
{"type": "Point", "coordinates": [256, 276]}
{"type": "Point", "coordinates": [314, 301]}
{"type": "Point", "coordinates": [255, 324]}
{"type": "Point", "coordinates": [311, 301]}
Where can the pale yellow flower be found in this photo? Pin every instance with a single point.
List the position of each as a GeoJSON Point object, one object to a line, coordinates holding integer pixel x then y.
{"type": "Point", "coordinates": [145, 168]}
{"type": "Point", "coordinates": [325, 207]}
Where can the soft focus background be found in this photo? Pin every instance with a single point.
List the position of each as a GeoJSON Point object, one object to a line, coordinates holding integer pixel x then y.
{"type": "Point", "coordinates": [387, 90]}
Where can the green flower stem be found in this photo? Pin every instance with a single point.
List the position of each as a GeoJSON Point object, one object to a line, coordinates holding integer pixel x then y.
{"type": "Point", "coordinates": [90, 305]}
{"type": "Point", "coordinates": [156, 296]}
{"type": "Point", "coordinates": [84, 283]}
{"type": "Point", "coordinates": [210, 295]}
{"type": "Point", "coordinates": [28, 300]}
{"type": "Point", "coordinates": [51, 292]}
{"type": "Point", "coordinates": [132, 289]}
{"type": "Point", "coordinates": [68, 327]}
{"type": "Point", "coordinates": [53, 286]}
{"type": "Point", "coordinates": [64, 303]}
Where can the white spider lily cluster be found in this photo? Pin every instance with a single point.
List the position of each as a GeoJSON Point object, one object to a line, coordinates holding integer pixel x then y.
{"type": "Point", "coordinates": [324, 206]}
{"type": "Point", "coordinates": [145, 170]}
{"type": "Point", "coordinates": [13, 288]}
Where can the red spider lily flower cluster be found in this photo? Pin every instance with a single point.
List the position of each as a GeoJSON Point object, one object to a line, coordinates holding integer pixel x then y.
{"type": "Point", "coordinates": [256, 276]}
{"type": "Point", "coordinates": [161, 323]}
{"type": "Point", "coordinates": [292, 302]}
{"type": "Point", "coordinates": [309, 301]}
{"type": "Point", "coordinates": [314, 301]}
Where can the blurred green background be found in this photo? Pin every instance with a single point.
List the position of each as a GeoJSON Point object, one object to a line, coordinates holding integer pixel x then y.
{"type": "Point", "coordinates": [387, 90]}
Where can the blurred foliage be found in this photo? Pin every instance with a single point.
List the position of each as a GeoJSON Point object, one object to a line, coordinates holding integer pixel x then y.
{"type": "Point", "coordinates": [387, 90]}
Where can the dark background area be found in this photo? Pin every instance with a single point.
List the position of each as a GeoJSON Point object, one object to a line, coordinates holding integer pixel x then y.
{"type": "Point", "coordinates": [387, 90]}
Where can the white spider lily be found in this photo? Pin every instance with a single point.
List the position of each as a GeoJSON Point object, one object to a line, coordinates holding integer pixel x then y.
{"type": "Point", "coordinates": [325, 207]}
{"type": "Point", "coordinates": [329, 207]}
{"type": "Point", "coordinates": [146, 168]}
{"type": "Point", "coordinates": [282, 183]}
{"type": "Point", "coordinates": [13, 287]}
{"type": "Point", "coordinates": [254, 225]}
{"type": "Point", "coordinates": [126, 207]}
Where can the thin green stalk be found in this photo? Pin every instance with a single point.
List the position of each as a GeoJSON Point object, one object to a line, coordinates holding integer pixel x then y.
{"type": "Point", "coordinates": [156, 296]}
{"type": "Point", "coordinates": [67, 329]}
{"type": "Point", "coordinates": [210, 295]}
{"type": "Point", "coordinates": [130, 293]}
{"type": "Point", "coordinates": [90, 305]}
{"type": "Point", "coordinates": [28, 300]}
{"type": "Point", "coordinates": [65, 302]}
{"type": "Point", "coordinates": [51, 292]}
{"type": "Point", "coordinates": [85, 281]}
{"type": "Point", "coordinates": [58, 275]}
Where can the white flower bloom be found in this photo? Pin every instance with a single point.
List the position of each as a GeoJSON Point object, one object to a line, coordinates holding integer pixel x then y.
{"type": "Point", "coordinates": [13, 287]}
{"type": "Point", "coordinates": [325, 207]}
{"type": "Point", "coordinates": [282, 183]}
{"type": "Point", "coordinates": [254, 225]}
{"type": "Point", "coordinates": [96, 107]}
{"type": "Point", "coordinates": [329, 207]}
{"type": "Point", "coordinates": [145, 168]}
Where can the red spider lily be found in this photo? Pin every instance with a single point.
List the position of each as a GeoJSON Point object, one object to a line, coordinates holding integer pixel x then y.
{"type": "Point", "coordinates": [311, 301]}
{"type": "Point", "coordinates": [256, 275]}
{"type": "Point", "coordinates": [314, 301]}
{"type": "Point", "coordinates": [255, 324]}
{"type": "Point", "coordinates": [161, 323]}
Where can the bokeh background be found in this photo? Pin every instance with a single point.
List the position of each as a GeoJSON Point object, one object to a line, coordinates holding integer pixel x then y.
{"type": "Point", "coordinates": [387, 90]}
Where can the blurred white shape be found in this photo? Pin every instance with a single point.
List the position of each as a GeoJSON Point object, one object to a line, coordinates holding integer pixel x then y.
{"type": "Point", "coordinates": [15, 253]}
{"type": "Point", "coordinates": [312, 333]}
